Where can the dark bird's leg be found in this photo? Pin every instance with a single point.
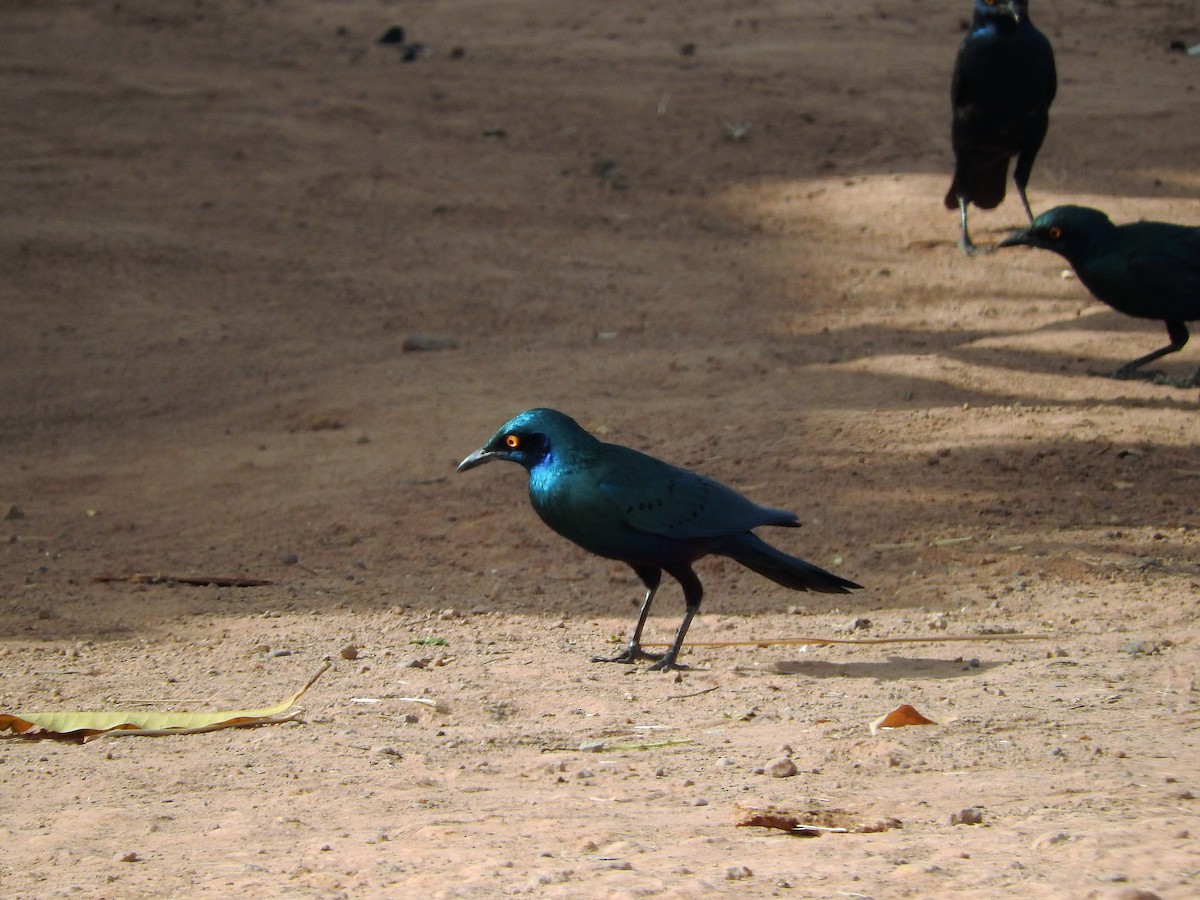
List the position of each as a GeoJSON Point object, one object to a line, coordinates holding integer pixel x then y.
{"type": "Point", "coordinates": [651, 578]}
{"type": "Point", "coordinates": [693, 591]}
{"type": "Point", "coordinates": [965, 243]}
{"type": "Point", "coordinates": [1025, 201]}
{"type": "Point", "coordinates": [1024, 167]}
{"type": "Point", "coordinates": [1178, 333]}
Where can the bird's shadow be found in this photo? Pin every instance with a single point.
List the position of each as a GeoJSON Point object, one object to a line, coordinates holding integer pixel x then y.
{"type": "Point", "coordinates": [891, 669]}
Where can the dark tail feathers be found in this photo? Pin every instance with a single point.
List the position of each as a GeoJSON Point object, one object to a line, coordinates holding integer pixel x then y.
{"type": "Point", "coordinates": [790, 571]}
{"type": "Point", "coordinates": [982, 181]}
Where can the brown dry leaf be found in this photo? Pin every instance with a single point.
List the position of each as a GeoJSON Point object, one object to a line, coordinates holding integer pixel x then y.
{"type": "Point", "coordinates": [811, 822]}
{"type": "Point", "coordinates": [900, 717]}
{"type": "Point", "coordinates": [83, 726]}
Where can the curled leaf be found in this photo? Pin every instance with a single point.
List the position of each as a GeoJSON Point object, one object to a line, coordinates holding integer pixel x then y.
{"type": "Point", "coordinates": [900, 717]}
{"type": "Point", "coordinates": [83, 726]}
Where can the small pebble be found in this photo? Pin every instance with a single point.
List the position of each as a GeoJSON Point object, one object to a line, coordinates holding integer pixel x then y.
{"type": "Point", "coordinates": [738, 873]}
{"type": "Point", "coordinates": [969, 816]}
{"type": "Point", "coordinates": [1141, 648]}
{"type": "Point", "coordinates": [350, 651]}
{"type": "Point", "coordinates": [781, 768]}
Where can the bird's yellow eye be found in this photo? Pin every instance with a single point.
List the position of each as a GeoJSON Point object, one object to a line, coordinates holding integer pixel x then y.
{"type": "Point", "coordinates": [1055, 232]}
{"type": "Point", "coordinates": [512, 441]}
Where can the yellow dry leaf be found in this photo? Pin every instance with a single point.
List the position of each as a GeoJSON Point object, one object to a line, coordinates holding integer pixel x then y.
{"type": "Point", "coordinates": [84, 725]}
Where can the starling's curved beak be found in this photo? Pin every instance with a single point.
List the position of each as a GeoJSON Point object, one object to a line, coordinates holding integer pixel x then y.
{"type": "Point", "coordinates": [478, 458]}
{"type": "Point", "coordinates": [1020, 238]}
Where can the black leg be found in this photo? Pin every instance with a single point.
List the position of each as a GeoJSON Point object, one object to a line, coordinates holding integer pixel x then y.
{"type": "Point", "coordinates": [965, 243]}
{"type": "Point", "coordinates": [1178, 333]}
{"type": "Point", "coordinates": [1024, 167]}
{"type": "Point", "coordinates": [651, 578]}
{"type": "Point", "coordinates": [693, 592]}
{"type": "Point", "coordinates": [1025, 202]}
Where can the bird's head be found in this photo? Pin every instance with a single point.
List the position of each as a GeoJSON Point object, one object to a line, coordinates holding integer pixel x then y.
{"type": "Point", "coordinates": [1070, 231]}
{"type": "Point", "coordinates": [1017, 10]}
{"type": "Point", "coordinates": [528, 439]}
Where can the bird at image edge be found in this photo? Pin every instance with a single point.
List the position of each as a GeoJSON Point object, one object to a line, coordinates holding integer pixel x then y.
{"type": "Point", "coordinates": [1004, 82]}
{"type": "Point", "coordinates": [1149, 270]}
{"type": "Point", "coordinates": [621, 504]}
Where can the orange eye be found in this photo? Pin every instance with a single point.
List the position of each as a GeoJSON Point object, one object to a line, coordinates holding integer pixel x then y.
{"type": "Point", "coordinates": [1055, 232]}
{"type": "Point", "coordinates": [512, 441]}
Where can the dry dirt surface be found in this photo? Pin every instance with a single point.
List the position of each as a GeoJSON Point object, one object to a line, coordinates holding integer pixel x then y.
{"type": "Point", "coordinates": [709, 230]}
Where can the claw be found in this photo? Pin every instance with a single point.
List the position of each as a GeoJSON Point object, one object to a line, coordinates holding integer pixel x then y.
{"type": "Point", "coordinates": [632, 654]}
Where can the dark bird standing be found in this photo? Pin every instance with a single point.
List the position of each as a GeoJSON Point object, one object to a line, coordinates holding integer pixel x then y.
{"type": "Point", "coordinates": [1150, 270]}
{"type": "Point", "coordinates": [1004, 82]}
{"type": "Point", "coordinates": [624, 505]}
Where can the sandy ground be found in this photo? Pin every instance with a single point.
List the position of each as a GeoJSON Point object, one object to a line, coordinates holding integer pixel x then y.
{"type": "Point", "coordinates": [221, 220]}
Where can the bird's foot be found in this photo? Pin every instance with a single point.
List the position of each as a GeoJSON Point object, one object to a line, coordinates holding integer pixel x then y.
{"type": "Point", "coordinates": [1189, 382]}
{"type": "Point", "coordinates": [632, 654]}
{"type": "Point", "coordinates": [967, 246]}
{"type": "Point", "coordinates": [1125, 373]}
{"type": "Point", "coordinates": [668, 665]}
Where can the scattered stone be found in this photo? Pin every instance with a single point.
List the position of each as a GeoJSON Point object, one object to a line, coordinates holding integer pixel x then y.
{"type": "Point", "coordinates": [1141, 648]}
{"type": "Point", "coordinates": [938, 622]}
{"type": "Point", "coordinates": [1113, 877]}
{"type": "Point", "coordinates": [585, 773]}
{"type": "Point", "coordinates": [11, 512]}
{"type": "Point", "coordinates": [699, 801]}
{"type": "Point", "coordinates": [275, 654]}
{"type": "Point", "coordinates": [350, 651]}
{"type": "Point", "coordinates": [859, 623]}
{"type": "Point", "coordinates": [781, 768]}
{"type": "Point", "coordinates": [621, 865]}
{"type": "Point", "coordinates": [969, 816]}
{"type": "Point", "coordinates": [394, 35]}
{"type": "Point", "coordinates": [738, 873]}
{"type": "Point", "coordinates": [131, 856]}
{"type": "Point", "coordinates": [592, 746]}
{"type": "Point", "coordinates": [386, 751]}
{"type": "Point", "coordinates": [289, 559]}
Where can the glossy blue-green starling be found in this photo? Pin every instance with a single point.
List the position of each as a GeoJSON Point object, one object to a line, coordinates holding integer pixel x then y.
{"type": "Point", "coordinates": [624, 505]}
{"type": "Point", "coordinates": [1003, 84]}
{"type": "Point", "coordinates": [1150, 270]}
